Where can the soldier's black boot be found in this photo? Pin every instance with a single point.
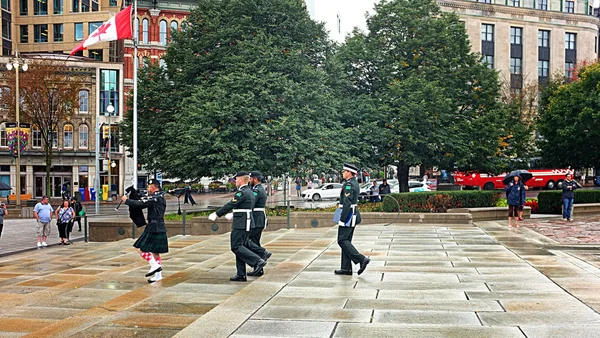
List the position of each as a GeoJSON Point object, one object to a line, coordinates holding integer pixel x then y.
{"type": "Point", "coordinates": [343, 272]}
{"type": "Point", "coordinates": [363, 265]}
{"type": "Point", "coordinates": [256, 273]}
{"type": "Point", "coordinates": [237, 278]}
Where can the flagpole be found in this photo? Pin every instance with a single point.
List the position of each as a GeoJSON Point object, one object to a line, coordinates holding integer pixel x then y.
{"type": "Point", "coordinates": [135, 84]}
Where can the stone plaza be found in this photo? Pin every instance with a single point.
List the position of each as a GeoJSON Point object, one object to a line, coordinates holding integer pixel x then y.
{"type": "Point", "coordinates": [478, 280]}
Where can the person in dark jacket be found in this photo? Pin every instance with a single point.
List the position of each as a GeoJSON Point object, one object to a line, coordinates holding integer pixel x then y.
{"type": "Point", "coordinates": [515, 196]}
{"type": "Point", "coordinates": [384, 188]}
{"type": "Point", "coordinates": [153, 240]}
{"type": "Point", "coordinates": [568, 196]}
{"type": "Point", "coordinates": [260, 220]}
{"type": "Point", "coordinates": [77, 207]}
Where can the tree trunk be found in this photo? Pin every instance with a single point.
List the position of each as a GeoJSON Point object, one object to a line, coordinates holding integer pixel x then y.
{"type": "Point", "coordinates": [403, 176]}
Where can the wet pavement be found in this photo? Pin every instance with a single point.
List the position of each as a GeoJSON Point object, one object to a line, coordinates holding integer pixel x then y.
{"type": "Point", "coordinates": [579, 231]}
{"type": "Point", "coordinates": [424, 281]}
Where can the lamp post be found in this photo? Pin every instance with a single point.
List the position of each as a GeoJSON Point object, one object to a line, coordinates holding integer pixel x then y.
{"type": "Point", "coordinates": [110, 109]}
{"type": "Point", "coordinates": [16, 62]}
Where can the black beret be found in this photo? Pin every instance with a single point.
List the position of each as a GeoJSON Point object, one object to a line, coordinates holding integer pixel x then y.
{"type": "Point", "coordinates": [256, 174]}
{"type": "Point", "coordinates": [241, 173]}
{"type": "Point", "coordinates": [154, 181]}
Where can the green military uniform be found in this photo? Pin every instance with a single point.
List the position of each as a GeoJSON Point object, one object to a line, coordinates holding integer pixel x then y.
{"type": "Point", "coordinates": [241, 204]}
{"type": "Point", "coordinates": [349, 218]}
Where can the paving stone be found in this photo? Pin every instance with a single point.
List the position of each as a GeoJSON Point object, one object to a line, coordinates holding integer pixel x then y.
{"type": "Point", "coordinates": [426, 317]}
{"type": "Point", "coordinates": [349, 330]}
{"type": "Point", "coordinates": [421, 294]}
{"type": "Point", "coordinates": [537, 318]}
{"type": "Point", "coordinates": [313, 314]}
{"type": "Point", "coordinates": [571, 331]}
{"type": "Point", "coordinates": [428, 304]}
{"type": "Point", "coordinates": [274, 328]}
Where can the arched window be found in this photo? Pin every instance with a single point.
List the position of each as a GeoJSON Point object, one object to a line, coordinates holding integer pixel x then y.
{"type": "Point", "coordinates": [68, 136]}
{"type": "Point", "coordinates": [136, 28]}
{"type": "Point", "coordinates": [145, 31]}
{"type": "Point", "coordinates": [174, 28]}
{"type": "Point", "coordinates": [162, 63]}
{"type": "Point", "coordinates": [84, 99]}
{"type": "Point", "coordinates": [36, 137]}
{"type": "Point", "coordinates": [3, 135]}
{"type": "Point", "coordinates": [163, 32]}
{"type": "Point", "coordinates": [83, 136]}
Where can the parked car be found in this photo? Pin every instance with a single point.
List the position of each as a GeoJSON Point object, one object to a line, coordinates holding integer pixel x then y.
{"type": "Point", "coordinates": [327, 191]}
{"type": "Point", "coordinates": [413, 186]}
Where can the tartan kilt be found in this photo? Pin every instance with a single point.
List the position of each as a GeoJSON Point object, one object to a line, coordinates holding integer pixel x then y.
{"type": "Point", "coordinates": [155, 242]}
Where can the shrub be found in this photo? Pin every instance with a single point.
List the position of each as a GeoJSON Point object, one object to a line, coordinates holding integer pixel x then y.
{"type": "Point", "coordinates": [440, 201]}
{"type": "Point", "coordinates": [550, 202]}
{"type": "Point", "coordinates": [533, 203]}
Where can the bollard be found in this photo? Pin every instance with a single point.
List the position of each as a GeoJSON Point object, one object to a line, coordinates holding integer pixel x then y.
{"type": "Point", "coordinates": [288, 214]}
{"type": "Point", "coordinates": [85, 228]}
{"type": "Point", "coordinates": [183, 223]}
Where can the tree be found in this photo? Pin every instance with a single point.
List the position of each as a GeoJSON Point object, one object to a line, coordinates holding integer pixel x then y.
{"type": "Point", "coordinates": [248, 90]}
{"type": "Point", "coordinates": [569, 123]}
{"type": "Point", "coordinates": [434, 102]}
{"type": "Point", "coordinates": [49, 94]}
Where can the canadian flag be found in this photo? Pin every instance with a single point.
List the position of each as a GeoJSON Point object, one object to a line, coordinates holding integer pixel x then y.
{"type": "Point", "coordinates": [117, 28]}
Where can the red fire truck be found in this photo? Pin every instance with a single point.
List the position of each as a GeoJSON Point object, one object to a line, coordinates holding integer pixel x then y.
{"type": "Point", "coordinates": [542, 178]}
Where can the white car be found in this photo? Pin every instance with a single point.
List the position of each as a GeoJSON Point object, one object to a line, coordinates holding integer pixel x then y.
{"type": "Point", "coordinates": [413, 186]}
{"type": "Point", "coordinates": [327, 191]}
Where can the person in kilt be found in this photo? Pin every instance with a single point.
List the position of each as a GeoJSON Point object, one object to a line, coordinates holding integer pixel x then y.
{"type": "Point", "coordinates": [153, 240]}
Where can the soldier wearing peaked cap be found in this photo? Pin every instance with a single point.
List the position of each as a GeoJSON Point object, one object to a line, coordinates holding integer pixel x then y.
{"type": "Point", "coordinates": [153, 240]}
{"type": "Point", "coordinates": [241, 206]}
{"type": "Point", "coordinates": [349, 218]}
{"type": "Point", "coordinates": [260, 220]}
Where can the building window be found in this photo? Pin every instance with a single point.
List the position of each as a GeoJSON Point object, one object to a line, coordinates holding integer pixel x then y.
{"type": "Point", "coordinates": [112, 3]}
{"type": "Point", "coordinates": [96, 54]}
{"type": "Point", "coordinates": [174, 27]}
{"type": "Point", "coordinates": [36, 137]}
{"type": "Point", "coordinates": [78, 31]}
{"type": "Point", "coordinates": [3, 135]}
{"type": "Point", "coordinates": [595, 44]}
{"type": "Point", "coordinates": [40, 8]}
{"type": "Point", "coordinates": [24, 34]}
{"type": "Point", "coordinates": [515, 66]}
{"type": "Point", "coordinates": [516, 35]}
{"type": "Point", "coordinates": [543, 67]}
{"type": "Point", "coordinates": [95, 6]}
{"type": "Point", "coordinates": [570, 6]}
{"type": "Point", "coordinates": [54, 137]}
{"type": "Point", "coordinates": [75, 8]}
{"type": "Point", "coordinates": [93, 26]}
{"type": "Point", "coordinates": [570, 40]}
{"type": "Point", "coordinates": [109, 90]}
{"type": "Point", "coordinates": [83, 136]}
{"type": "Point", "coordinates": [162, 32]}
{"type": "Point", "coordinates": [85, 6]}
{"type": "Point", "coordinates": [515, 3]}
{"type": "Point", "coordinates": [489, 59]}
{"type": "Point", "coordinates": [145, 31]}
{"type": "Point", "coordinates": [542, 4]}
{"type": "Point", "coordinates": [23, 9]}
{"type": "Point", "coordinates": [543, 38]}
{"type": "Point", "coordinates": [6, 31]}
{"type": "Point", "coordinates": [487, 32]}
{"type": "Point", "coordinates": [58, 32]}
{"type": "Point", "coordinates": [84, 97]}
{"type": "Point", "coordinates": [68, 136]}
{"type": "Point", "coordinates": [569, 69]}
{"type": "Point", "coordinates": [58, 6]}
{"type": "Point", "coordinates": [485, 1]}
{"type": "Point", "coordinates": [6, 5]}
{"type": "Point", "coordinates": [40, 33]}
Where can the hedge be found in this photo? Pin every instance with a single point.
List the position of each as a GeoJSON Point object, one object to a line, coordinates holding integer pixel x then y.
{"type": "Point", "coordinates": [550, 202]}
{"type": "Point", "coordinates": [440, 201]}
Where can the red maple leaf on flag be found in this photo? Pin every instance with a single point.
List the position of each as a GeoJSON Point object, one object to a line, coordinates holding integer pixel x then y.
{"type": "Point", "coordinates": [101, 30]}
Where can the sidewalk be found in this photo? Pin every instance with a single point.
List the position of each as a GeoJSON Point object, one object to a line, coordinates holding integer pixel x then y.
{"type": "Point", "coordinates": [423, 281]}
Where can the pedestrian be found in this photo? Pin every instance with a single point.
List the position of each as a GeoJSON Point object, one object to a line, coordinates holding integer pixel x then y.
{"type": "Point", "coordinates": [309, 184]}
{"type": "Point", "coordinates": [260, 220]}
{"type": "Point", "coordinates": [523, 205]}
{"type": "Point", "coordinates": [583, 179]}
{"type": "Point", "coordinates": [374, 192]}
{"type": "Point", "coordinates": [153, 240]}
{"type": "Point", "coordinates": [64, 215]}
{"type": "Point", "coordinates": [515, 196]}
{"type": "Point", "coordinates": [3, 212]}
{"type": "Point", "coordinates": [77, 207]}
{"type": "Point", "coordinates": [241, 206]}
{"type": "Point", "coordinates": [568, 196]}
{"type": "Point", "coordinates": [298, 186]}
{"type": "Point", "coordinates": [425, 178]}
{"type": "Point", "coordinates": [349, 218]}
{"type": "Point", "coordinates": [384, 188]}
{"type": "Point", "coordinates": [43, 214]}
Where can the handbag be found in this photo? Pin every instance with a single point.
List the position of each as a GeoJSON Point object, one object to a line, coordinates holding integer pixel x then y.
{"type": "Point", "coordinates": [81, 213]}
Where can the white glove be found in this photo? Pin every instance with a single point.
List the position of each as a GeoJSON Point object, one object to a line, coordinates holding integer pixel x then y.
{"type": "Point", "coordinates": [342, 224]}
{"type": "Point", "coordinates": [213, 216]}
{"type": "Point", "coordinates": [229, 216]}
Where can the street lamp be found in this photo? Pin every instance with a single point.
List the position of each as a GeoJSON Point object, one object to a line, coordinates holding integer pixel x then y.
{"type": "Point", "coordinates": [15, 63]}
{"type": "Point", "coordinates": [110, 109]}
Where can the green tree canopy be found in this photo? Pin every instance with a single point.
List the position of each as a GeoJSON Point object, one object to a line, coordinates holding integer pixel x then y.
{"type": "Point", "coordinates": [570, 120]}
{"type": "Point", "coordinates": [434, 102]}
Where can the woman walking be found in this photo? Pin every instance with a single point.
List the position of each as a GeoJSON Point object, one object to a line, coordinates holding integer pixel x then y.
{"type": "Point", "coordinates": [515, 196]}
{"type": "Point", "coordinates": [64, 216]}
{"type": "Point", "coordinates": [568, 196]}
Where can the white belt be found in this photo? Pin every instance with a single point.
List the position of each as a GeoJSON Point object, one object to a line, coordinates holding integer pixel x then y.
{"type": "Point", "coordinates": [248, 219]}
{"type": "Point", "coordinates": [353, 206]}
{"type": "Point", "coordinates": [264, 212]}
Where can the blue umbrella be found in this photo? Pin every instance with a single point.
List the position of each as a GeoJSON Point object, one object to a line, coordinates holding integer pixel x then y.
{"type": "Point", "coordinates": [524, 174]}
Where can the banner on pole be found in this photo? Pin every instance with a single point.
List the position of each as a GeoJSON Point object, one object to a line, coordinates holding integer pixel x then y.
{"type": "Point", "coordinates": [12, 139]}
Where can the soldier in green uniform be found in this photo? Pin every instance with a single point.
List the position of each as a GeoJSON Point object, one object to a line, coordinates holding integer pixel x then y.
{"type": "Point", "coordinates": [241, 207]}
{"type": "Point", "coordinates": [349, 218]}
{"type": "Point", "coordinates": [260, 220]}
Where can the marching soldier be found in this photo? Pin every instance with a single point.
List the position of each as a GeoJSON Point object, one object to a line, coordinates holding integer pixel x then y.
{"type": "Point", "coordinates": [349, 218]}
{"type": "Point", "coordinates": [260, 220]}
{"type": "Point", "coordinates": [153, 240]}
{"type": "Point", "coordinates": [241, 206]}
